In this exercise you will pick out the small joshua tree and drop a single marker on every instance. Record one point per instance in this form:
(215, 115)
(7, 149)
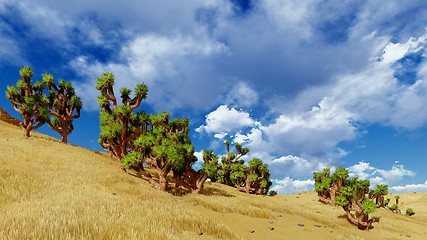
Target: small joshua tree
(63, 104)
(165, 146)
(120, 126)
(354, 202)
(395, 207)
(28, 100)
(397, 197)
(378, 193)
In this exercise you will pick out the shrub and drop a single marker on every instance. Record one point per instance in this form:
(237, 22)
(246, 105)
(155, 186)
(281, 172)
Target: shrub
(272, 193)
(410, 212)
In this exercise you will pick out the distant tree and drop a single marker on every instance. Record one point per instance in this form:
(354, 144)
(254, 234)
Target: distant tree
(120, 126)
(378, 193)
(395, 207)
(28, 100)
(165, 146)
(232, 163)
(272, 193)
(63, 104)
(256, 178)
(355, 203)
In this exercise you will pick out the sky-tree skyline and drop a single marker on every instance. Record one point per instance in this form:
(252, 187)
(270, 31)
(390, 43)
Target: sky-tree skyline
(303, 84)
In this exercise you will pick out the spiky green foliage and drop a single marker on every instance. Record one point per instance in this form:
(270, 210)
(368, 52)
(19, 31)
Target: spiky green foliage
(378, 193)
(256, 178)
(64, 106)
(253, 178)
(227, 168)
(165, 146)
(28, 100)
(355, 203)
(119, 124)
(328, 186)
(194, 180)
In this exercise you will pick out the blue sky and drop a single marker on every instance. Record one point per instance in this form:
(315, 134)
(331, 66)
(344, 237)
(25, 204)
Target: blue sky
(304, 84)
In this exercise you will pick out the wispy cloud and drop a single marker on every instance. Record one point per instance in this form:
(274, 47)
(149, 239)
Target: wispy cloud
(422, 187)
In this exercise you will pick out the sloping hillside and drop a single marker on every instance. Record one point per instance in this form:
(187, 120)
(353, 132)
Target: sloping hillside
(4, 116)
(50, 190)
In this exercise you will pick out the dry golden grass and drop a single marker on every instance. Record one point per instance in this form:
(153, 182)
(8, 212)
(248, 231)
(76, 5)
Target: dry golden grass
(49, 190)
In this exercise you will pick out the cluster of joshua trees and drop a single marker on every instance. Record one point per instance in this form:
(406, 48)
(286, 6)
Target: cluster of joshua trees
(155, 147)
(57, 109)
(354, 196)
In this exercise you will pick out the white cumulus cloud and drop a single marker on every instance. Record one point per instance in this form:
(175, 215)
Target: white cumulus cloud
(225, 119)
(289, 185)
(422, 187)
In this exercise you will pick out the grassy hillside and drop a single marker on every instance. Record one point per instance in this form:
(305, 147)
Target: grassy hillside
(50, 190)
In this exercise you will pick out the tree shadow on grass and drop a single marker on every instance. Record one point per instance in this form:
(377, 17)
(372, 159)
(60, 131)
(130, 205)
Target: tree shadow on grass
(181, 191)
(210, 191)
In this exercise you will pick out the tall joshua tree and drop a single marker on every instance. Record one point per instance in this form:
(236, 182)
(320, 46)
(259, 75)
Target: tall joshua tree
(64, 106)
(354, 202)
(165, 146)
(120, 126)
(28, 100)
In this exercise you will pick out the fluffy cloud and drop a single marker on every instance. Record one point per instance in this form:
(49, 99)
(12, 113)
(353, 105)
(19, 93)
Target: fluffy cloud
(224, 120)
(295, 167)
(364, 170)
(289, 185)
(410, 188)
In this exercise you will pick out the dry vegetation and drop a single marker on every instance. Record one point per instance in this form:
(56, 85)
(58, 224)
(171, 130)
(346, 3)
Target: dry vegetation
(50, 190)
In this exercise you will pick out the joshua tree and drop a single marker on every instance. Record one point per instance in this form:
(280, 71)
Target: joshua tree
(120, 126)
(194, 181)
(28, 100)
(322, 183)
(395, 207)
(226, 168)
(354, 202)
(378, 193)
(256, 177)
(326, 186)
(165, 146)
(63, 104)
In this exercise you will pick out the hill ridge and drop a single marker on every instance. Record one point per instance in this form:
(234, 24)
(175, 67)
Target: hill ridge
(6, 117)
